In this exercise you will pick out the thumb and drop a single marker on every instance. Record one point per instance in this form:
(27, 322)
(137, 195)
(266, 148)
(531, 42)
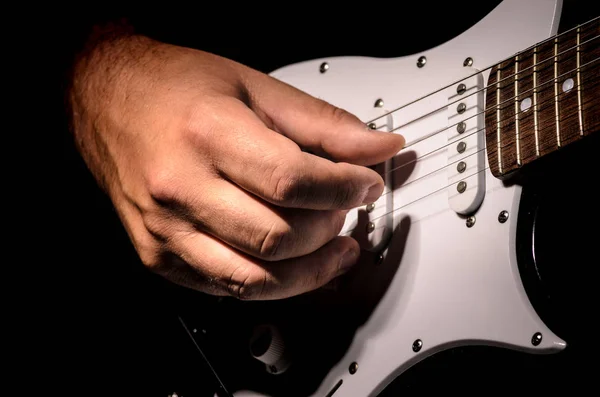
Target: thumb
(320, 127)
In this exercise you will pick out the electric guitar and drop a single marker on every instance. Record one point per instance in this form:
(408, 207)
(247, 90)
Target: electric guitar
(498, 108)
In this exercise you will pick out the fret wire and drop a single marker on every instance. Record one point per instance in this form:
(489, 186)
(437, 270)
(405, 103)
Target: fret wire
(498, 135)
(517, 143)
(535, 109)
(557, 117)
(425, 137)
(579, 84)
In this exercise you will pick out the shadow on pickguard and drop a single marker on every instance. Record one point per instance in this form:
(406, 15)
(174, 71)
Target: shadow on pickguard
(317, 327)
(403, 165)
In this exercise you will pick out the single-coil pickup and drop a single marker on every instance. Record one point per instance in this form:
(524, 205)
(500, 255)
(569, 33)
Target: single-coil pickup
(466, 143)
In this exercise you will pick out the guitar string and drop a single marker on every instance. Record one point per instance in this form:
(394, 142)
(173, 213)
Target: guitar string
(554, 37)
(416, 200)
(554, 98)
(509, 77)
(443, 187)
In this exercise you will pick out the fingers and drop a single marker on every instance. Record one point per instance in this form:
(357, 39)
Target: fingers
(274, 168)
(247, 223)
(318, 126)
(227, 272)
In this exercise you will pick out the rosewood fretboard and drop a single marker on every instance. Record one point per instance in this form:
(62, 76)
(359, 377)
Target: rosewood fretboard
(543, 99)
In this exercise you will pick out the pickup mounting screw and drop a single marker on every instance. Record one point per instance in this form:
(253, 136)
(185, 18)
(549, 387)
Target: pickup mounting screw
(468, 62)
(470, 221)
(417, 345)
(503, 216)
(379, 103)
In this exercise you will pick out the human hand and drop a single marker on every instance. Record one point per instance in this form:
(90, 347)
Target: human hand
(206, 163)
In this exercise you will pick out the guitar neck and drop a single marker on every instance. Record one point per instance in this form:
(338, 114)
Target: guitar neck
(543, 99)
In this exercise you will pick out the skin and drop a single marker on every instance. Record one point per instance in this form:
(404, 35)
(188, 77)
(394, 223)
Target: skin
(227, 180)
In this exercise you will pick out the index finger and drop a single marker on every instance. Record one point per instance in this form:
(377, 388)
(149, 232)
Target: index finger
(274, 168)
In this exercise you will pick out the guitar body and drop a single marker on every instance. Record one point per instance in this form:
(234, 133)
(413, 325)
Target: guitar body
(446, 270)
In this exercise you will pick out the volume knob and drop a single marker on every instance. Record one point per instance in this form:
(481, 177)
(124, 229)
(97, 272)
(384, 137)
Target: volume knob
(268, 347)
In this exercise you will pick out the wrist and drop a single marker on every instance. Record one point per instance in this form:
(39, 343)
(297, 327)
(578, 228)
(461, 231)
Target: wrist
(97, 77)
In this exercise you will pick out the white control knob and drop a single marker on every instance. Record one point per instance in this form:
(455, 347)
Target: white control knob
(267, 346)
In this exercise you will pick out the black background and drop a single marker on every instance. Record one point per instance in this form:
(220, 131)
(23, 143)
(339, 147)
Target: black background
(108, 325)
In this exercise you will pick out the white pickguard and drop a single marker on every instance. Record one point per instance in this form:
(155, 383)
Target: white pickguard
(454, 285)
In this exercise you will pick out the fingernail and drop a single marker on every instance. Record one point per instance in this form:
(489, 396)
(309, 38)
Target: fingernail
(348, 260)
(373, 194)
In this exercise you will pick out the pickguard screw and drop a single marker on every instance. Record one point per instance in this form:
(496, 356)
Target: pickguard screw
(461, 187)
(470, 221)
(353, 368)
(468, 62)
(370, 227)
(379, 103)
(536, 339)
(421, 61)
(379, 259)
(324, 67)
(461, 167)
(461, 147)
(461, 108)
(370, 207)
(372, 126)
(461, 127)
(417, 345)
(503, 216)
(461, 89)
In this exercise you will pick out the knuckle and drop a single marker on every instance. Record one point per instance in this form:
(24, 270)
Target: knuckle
(162, 185)
(336, 114)
(286, 187)
(157, 224)
(270, 242)
(149, 253)
(247, 284)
